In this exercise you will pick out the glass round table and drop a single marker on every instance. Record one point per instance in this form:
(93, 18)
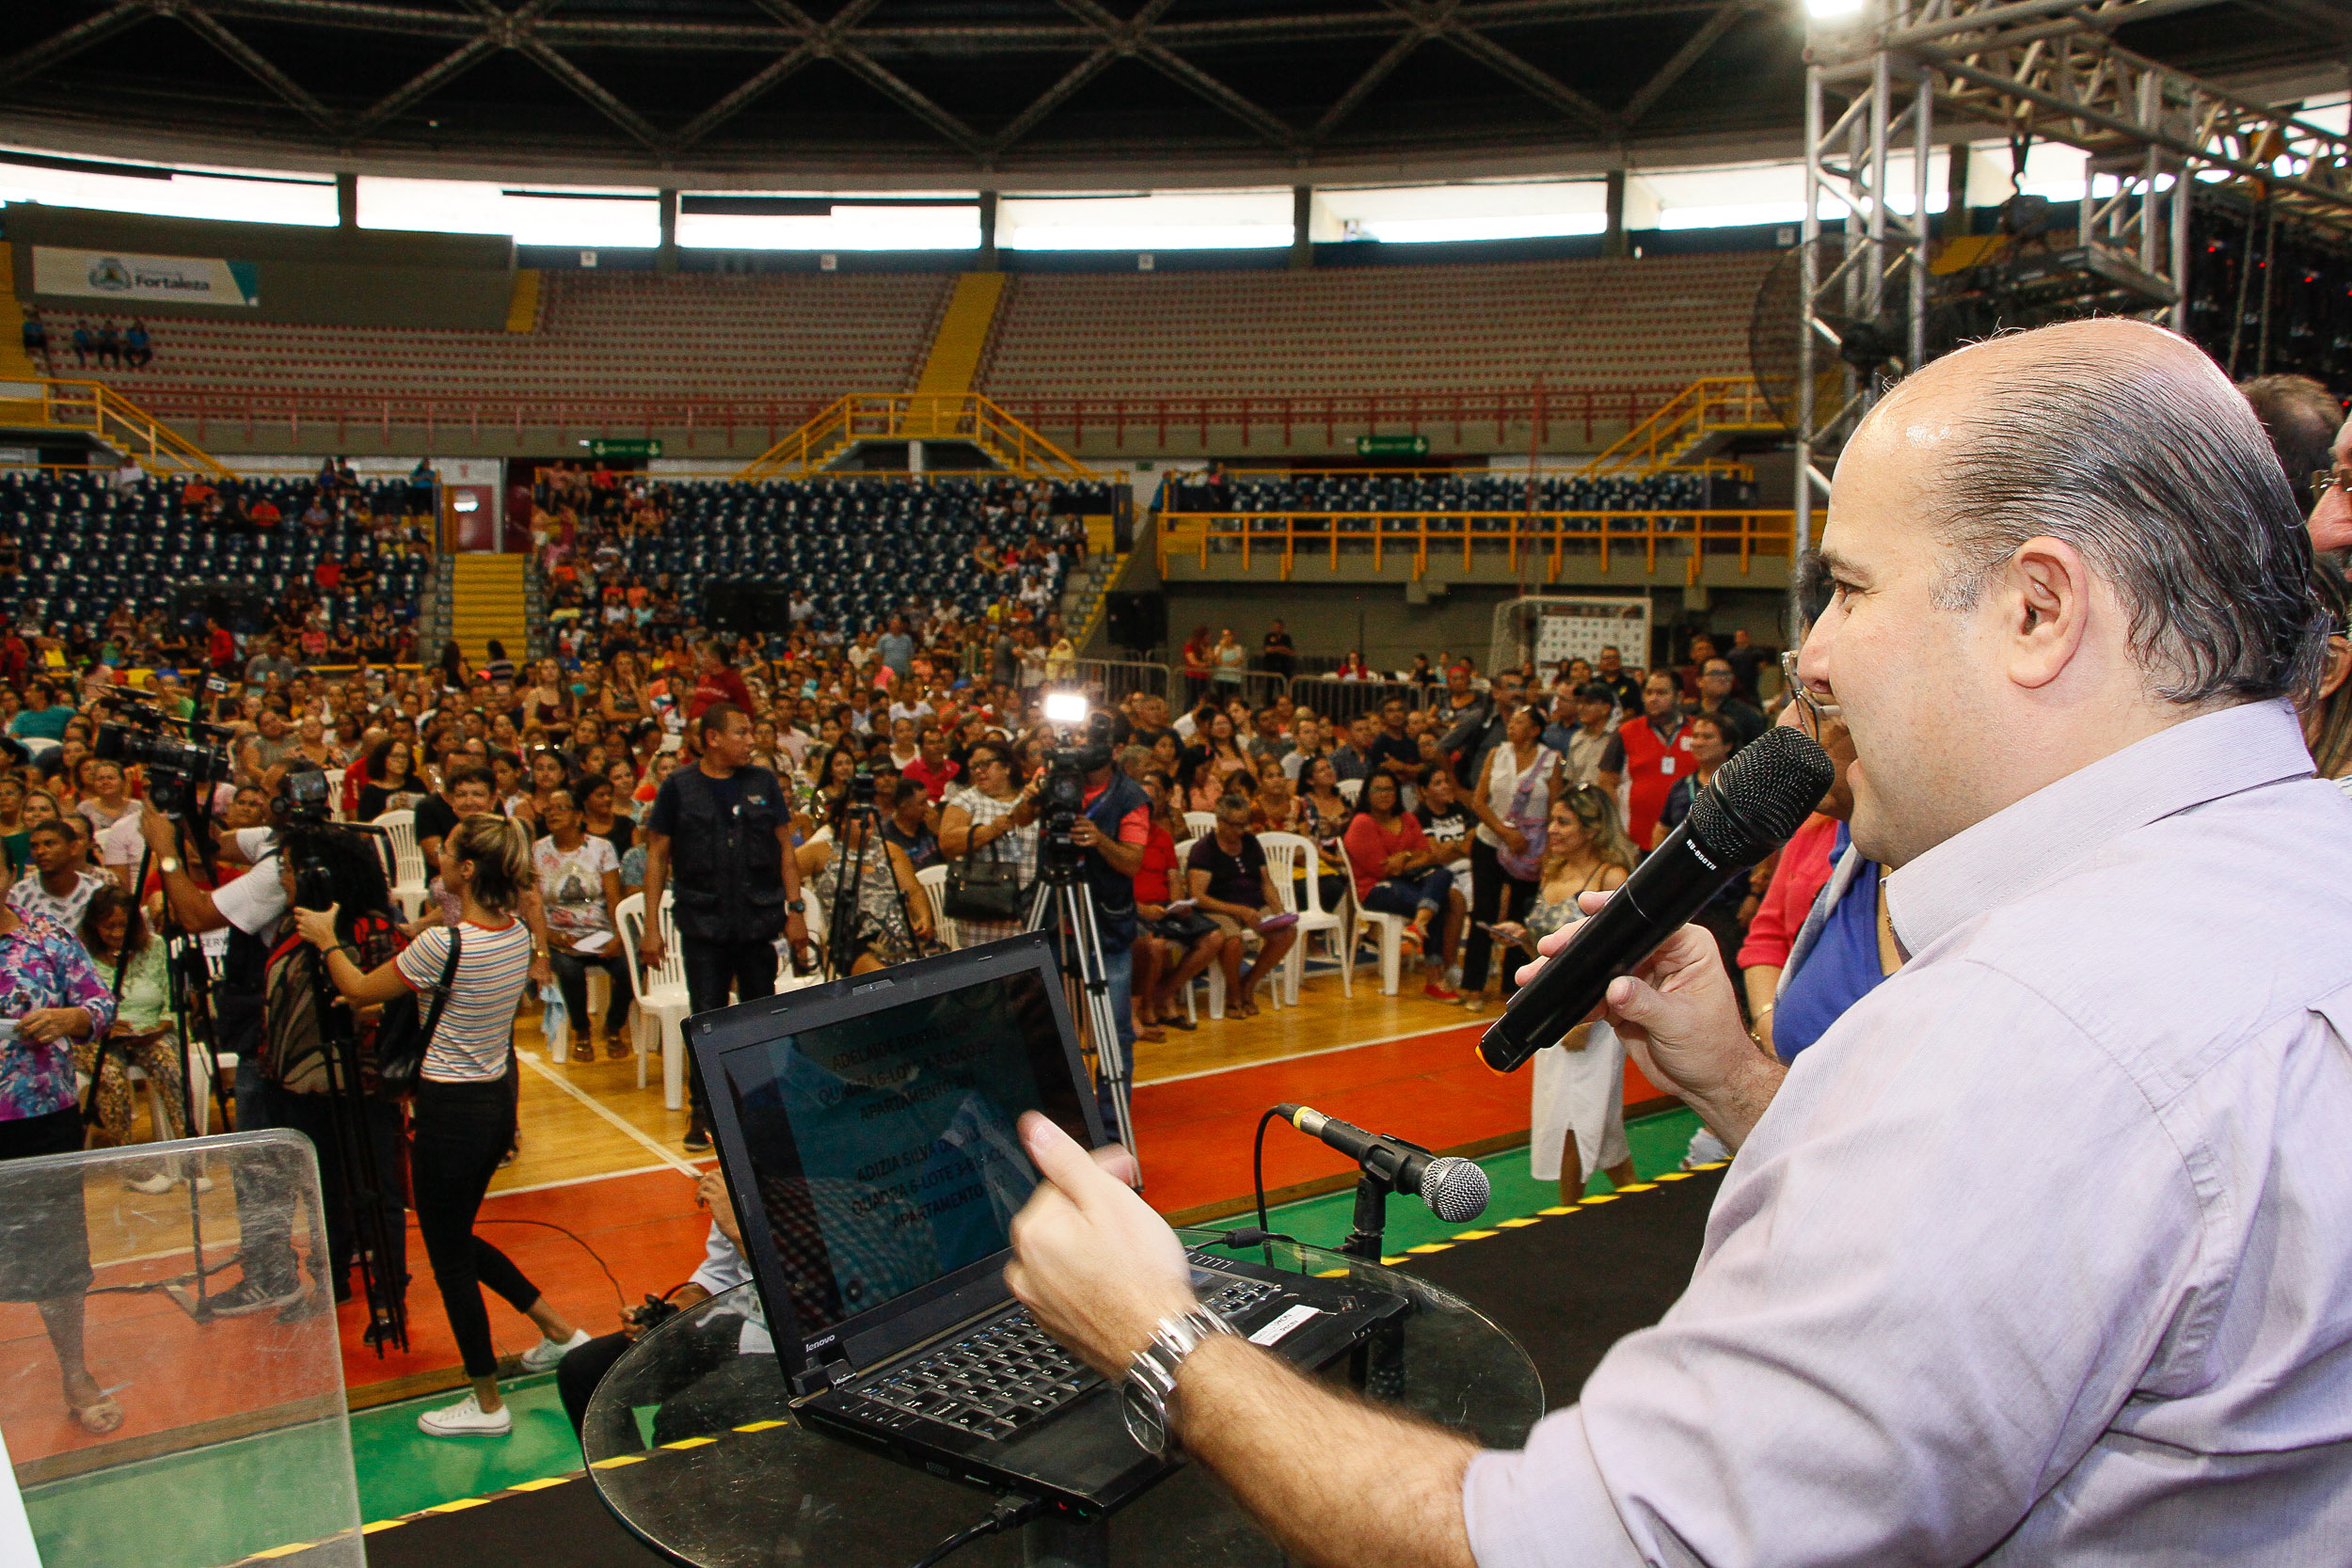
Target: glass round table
(690, 1443)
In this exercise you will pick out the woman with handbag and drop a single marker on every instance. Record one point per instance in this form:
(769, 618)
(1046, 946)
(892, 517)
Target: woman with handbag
(1516, 786)
(465, 1103)
(989, 835)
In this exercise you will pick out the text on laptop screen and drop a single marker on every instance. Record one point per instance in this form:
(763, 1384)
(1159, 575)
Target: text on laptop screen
(885, 1146)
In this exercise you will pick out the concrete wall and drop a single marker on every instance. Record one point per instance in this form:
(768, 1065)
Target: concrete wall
(309, 276)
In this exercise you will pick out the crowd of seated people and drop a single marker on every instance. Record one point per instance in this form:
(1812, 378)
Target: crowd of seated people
(625, 556)
(342, 560)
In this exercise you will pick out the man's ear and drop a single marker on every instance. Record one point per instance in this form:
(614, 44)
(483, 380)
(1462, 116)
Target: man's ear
(2339, 665)
(2043, 597)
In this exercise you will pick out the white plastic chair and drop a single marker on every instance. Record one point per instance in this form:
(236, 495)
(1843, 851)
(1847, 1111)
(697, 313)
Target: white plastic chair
(409, 875)
(934, 880)
(1200, 824)
(1285, 854)
(1390, 929)
(1351, 789)
(662, 1000)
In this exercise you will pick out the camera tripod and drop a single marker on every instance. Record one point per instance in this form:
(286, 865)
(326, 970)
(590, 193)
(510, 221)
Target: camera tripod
(842, 910)
(188, 983)
(1063, 908)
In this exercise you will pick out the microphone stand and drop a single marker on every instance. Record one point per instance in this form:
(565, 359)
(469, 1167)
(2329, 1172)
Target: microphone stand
(1376, 1365)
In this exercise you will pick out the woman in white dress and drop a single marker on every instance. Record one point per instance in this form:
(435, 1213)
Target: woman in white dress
(1577, 1116)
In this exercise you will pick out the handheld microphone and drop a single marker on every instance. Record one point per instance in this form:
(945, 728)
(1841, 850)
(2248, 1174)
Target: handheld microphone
(1455, 1189)
(1758, 800)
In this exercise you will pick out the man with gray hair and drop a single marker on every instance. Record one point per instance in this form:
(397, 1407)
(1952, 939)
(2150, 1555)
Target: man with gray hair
(2038, 1254)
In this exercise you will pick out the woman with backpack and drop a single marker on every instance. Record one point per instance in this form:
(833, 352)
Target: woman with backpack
(464, 1111)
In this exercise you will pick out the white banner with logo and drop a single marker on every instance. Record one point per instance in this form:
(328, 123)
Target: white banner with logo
(144, 280)
(1569, 628)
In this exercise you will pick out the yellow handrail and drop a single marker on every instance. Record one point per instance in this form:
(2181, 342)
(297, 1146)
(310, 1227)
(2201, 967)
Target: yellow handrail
(94, 408)
(1708, 404)
(915, 417)
(1547, 534)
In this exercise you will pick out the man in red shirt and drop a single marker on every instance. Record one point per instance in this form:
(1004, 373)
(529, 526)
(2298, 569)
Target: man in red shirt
(932, 767)
(1650, 752)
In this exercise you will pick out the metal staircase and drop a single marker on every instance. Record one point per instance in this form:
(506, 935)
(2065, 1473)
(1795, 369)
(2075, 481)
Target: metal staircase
(965, 418)
(1691, 427)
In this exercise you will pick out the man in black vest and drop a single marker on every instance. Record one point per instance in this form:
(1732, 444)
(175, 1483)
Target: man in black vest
(1114, 824)
(725, 829)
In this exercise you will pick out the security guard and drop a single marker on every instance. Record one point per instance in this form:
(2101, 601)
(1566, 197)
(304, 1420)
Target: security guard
(725, 827)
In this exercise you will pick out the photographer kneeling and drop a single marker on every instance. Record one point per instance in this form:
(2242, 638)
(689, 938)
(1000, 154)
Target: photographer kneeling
(465, 1104)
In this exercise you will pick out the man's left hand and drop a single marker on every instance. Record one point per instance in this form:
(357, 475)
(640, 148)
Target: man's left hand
(1084, 833)
(1091, 1261)
(796, 930)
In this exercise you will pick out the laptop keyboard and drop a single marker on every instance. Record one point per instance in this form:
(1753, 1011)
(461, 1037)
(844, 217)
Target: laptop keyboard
(992, 1382)
(1007, 1376)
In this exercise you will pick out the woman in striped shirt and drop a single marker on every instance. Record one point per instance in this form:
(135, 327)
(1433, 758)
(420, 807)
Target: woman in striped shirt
(465, 1104)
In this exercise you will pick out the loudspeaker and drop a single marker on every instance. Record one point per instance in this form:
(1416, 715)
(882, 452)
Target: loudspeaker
(241, 606)
(1136, 620)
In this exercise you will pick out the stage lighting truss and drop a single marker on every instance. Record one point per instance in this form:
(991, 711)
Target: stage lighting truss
(1878, 81)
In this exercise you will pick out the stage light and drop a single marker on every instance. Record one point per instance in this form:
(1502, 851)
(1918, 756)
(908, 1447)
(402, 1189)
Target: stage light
(1065, 708)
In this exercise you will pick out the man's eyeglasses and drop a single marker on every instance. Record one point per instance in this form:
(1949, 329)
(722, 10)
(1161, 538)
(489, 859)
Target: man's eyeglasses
(2324, 480)
(1813, 712)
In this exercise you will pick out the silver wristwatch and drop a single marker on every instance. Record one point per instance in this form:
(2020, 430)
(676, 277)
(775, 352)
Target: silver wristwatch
(1149, 1395)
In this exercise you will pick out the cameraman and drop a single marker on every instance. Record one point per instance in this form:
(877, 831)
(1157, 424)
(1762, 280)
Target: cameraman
(251, 908)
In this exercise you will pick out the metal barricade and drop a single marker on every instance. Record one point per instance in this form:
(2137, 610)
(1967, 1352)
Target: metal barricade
(1340, 700)
(1114, 679)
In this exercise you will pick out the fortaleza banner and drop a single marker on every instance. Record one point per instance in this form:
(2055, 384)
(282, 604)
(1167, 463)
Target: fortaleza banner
(144, 280)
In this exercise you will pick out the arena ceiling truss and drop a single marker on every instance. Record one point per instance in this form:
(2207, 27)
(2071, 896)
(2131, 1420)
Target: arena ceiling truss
(944, 88)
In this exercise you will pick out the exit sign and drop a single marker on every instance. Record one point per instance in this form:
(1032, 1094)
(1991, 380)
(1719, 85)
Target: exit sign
(624, 446)
(1392, 446)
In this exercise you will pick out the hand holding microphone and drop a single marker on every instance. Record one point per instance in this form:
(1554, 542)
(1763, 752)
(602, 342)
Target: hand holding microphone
(1661, 983)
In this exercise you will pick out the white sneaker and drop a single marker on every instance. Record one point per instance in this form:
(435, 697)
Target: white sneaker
(465, 1418)
(543, 1356)
(152, 1185)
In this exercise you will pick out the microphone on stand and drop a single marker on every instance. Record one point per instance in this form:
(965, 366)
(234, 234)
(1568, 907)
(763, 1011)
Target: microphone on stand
(1759, 797)
(1455, 1189)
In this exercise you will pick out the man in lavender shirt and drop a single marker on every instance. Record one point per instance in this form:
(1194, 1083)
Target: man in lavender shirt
(2044, 1252)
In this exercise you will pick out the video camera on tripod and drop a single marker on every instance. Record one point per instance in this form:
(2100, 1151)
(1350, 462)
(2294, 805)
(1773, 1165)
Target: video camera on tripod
(182, 759)
(1063, 799)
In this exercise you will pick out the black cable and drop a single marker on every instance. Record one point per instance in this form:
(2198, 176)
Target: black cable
(1257, 1163)
(1008, 1513)
(618, 1295)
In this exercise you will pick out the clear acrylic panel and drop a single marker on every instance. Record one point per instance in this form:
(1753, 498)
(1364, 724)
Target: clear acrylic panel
(234, 1438)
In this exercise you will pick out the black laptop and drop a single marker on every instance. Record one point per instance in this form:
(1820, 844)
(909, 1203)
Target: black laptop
(867, 1128)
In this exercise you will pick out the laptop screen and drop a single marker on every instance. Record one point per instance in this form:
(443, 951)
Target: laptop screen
(884, 1145)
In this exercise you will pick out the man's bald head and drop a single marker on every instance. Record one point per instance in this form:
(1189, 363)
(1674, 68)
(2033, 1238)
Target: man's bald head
(2129, 444)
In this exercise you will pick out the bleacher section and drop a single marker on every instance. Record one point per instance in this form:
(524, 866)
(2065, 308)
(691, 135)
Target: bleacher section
(600, 336)
(86, 545)
(860, 547)
(1424, 492)
(1343, 332)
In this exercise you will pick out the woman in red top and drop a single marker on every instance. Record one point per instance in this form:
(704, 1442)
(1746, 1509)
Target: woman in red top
(1172, 945)
(1195, 665)
(1399, 872)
